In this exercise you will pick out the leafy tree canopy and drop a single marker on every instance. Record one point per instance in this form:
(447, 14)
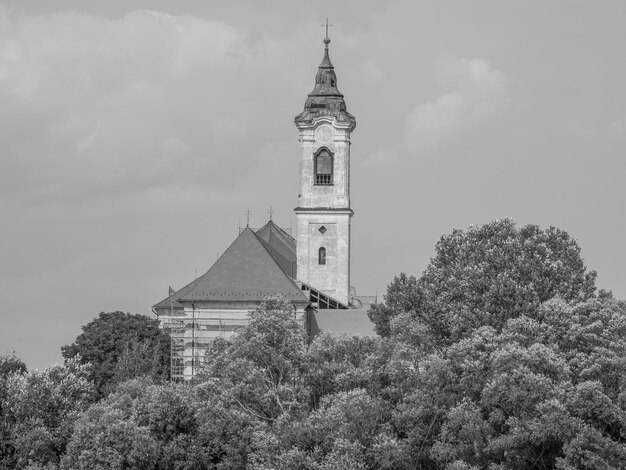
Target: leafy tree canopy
(120, 346)
(262, 367)
(484, 276)
(545, 392)
(10, 363)
(538, 384)
(38, 413)
(156, 426)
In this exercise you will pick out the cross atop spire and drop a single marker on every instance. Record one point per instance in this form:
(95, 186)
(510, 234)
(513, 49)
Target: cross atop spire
(271, 212)
(326, 38)
(248, 214)
(325, 99)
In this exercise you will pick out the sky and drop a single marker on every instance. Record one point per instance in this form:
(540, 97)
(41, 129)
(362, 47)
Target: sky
(135, 135)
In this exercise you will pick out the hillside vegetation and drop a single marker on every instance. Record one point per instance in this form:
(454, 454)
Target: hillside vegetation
(502, 355)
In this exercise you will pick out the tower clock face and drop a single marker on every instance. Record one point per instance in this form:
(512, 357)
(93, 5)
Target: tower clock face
(324, 134)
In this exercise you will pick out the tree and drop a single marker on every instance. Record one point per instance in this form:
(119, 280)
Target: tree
(337, 434)
(107, 435)
(403, 295)
(261, 369)
(160, 426)
(10, 363)
(547, 391)
(520, 362)
(136, 340)
(338, 363)
(486, 275)
(139, 358)
(39, 410)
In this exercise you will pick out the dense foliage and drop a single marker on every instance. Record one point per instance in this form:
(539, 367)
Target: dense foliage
(120, 346)
(38, 411)
(539, 384)
(10, 363)
(486, 275)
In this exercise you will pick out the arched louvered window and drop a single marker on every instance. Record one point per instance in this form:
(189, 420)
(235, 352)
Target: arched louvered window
(321, 256)
(323, 168)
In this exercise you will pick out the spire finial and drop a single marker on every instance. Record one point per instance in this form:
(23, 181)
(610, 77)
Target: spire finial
(248, 214)
(326, 38)
(271, 212)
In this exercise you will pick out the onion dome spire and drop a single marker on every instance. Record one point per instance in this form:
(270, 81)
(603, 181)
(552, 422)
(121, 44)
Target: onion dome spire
(325, 99)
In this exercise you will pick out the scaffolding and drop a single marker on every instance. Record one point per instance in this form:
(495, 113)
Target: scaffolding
(190, 336)
(189, 339)
(175, 329)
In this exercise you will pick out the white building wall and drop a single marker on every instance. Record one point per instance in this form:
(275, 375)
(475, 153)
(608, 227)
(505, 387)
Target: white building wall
(336, 139)
(333, 278)
(194, 328)
(328, 206)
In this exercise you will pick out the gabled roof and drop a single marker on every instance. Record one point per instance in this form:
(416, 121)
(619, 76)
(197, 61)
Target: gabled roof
(280, 245)
(171, 303)
(245, 272)
(270, 230)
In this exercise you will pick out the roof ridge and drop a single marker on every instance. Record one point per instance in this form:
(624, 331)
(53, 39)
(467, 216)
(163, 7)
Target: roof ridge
(273, 224)
(245, 268)
(273, 253)
(284, 232)
(262, 242)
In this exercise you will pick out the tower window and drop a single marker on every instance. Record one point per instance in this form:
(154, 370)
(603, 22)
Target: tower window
(321, 256)
(323, 168)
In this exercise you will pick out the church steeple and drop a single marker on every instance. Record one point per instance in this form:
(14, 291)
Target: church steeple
(325, 99)
(324, 212)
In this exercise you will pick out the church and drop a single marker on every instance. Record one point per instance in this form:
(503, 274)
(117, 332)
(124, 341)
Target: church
(311, 269)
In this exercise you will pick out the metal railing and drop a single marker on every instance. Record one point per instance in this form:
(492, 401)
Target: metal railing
(324, 180)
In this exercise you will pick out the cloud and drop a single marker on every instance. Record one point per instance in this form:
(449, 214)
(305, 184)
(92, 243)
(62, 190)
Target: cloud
(92, 105)
(474, 92)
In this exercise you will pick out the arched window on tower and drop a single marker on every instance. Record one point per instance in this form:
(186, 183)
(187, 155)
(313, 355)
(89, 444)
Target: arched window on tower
(321, 256)
(323, 168)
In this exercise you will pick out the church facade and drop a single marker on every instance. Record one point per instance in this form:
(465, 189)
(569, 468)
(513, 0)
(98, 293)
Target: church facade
(311, 270)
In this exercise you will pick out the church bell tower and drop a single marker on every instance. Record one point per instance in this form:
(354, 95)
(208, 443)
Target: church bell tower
(323, 213)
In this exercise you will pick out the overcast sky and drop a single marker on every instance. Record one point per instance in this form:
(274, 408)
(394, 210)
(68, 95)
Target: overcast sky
(134, 135)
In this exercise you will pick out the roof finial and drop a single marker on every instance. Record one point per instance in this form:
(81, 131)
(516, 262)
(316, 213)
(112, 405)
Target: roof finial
(248, 214)
(326, 39)
(271, 212)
